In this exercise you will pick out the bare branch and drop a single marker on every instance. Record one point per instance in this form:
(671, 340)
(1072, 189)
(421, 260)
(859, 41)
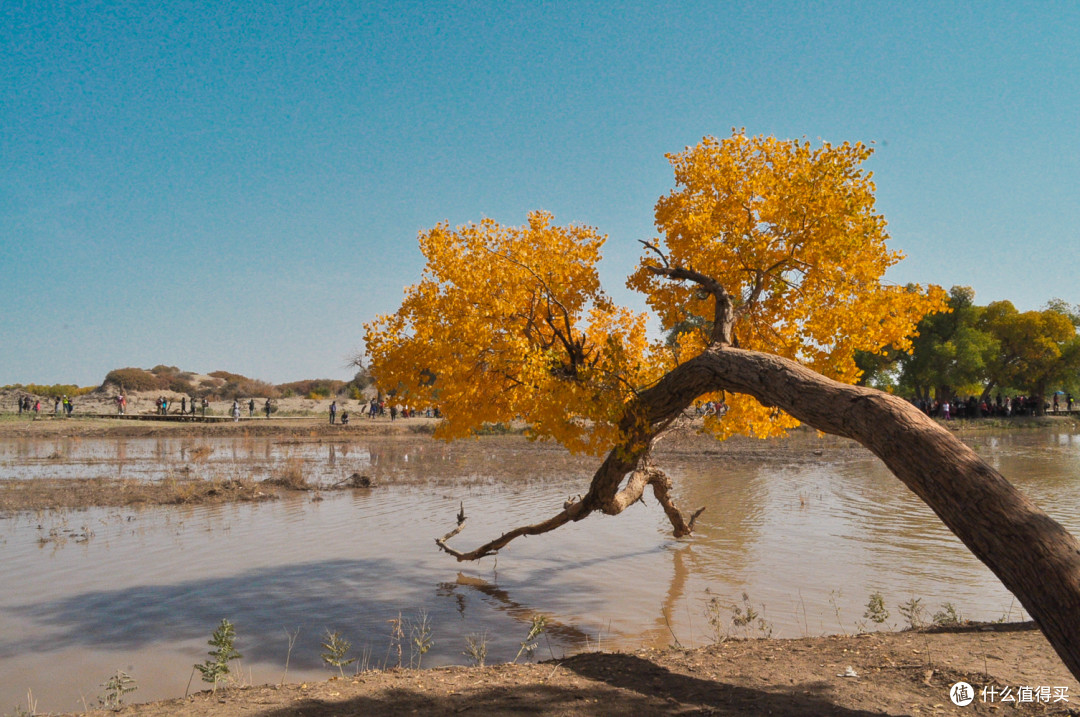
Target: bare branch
(650, 245)
(573, 511)
(604, 493)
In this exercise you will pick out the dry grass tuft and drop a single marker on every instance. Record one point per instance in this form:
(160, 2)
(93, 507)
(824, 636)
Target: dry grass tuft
(290, 475)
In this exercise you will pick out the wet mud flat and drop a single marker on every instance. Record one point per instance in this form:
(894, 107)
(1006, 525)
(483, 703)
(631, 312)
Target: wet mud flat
(50, 478)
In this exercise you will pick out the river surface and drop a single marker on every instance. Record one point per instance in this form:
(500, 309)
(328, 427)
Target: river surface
(806, 537)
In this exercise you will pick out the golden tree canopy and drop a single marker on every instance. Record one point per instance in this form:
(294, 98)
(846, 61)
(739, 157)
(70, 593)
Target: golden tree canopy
(511, 322)
(791, 234)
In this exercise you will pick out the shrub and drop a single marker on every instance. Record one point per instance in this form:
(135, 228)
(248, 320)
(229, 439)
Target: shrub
(179, 385)
(228, 377)
(53, 390)
(361, 380)
(313, 388)
(244, 388)
(134, 379)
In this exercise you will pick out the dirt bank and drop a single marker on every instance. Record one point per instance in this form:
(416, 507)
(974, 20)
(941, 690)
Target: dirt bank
(314, 427)
(907, 673)
(57, 493)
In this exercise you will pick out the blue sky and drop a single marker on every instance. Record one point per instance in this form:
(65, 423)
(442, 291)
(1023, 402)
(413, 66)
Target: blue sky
(239, 186)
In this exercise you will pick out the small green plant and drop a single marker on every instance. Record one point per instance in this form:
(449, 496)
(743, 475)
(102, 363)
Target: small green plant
(746, 615)
(876, 611)
(714, 615)
(834, 600)
(419, 638)
(913, 612)
(536, 628)
(31, 705)
(288, 655)
(116, 687)
(223, 641)
(336, 648)
(948, 616)
(476, 648)
(743, 617)
(397, 634)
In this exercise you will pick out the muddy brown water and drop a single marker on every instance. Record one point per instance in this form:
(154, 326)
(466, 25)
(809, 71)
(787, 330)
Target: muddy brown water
(807, 535)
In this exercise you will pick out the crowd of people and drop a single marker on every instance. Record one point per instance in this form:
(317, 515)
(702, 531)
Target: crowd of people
(971, 407)
(162, 406)
(190, 406)
(1000, 406)
(63, 406)
(381, 407)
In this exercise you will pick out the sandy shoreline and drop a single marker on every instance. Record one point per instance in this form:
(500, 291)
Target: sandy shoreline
(897, 673)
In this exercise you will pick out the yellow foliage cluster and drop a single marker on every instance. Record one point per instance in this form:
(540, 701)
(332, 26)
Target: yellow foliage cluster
(791, 233)
(511, 322)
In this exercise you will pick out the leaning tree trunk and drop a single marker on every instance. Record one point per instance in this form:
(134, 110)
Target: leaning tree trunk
(1033, 555)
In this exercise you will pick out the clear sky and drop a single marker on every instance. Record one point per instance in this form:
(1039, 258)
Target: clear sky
(239, 186)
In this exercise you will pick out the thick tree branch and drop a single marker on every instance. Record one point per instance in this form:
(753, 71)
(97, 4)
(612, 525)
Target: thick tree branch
(724, 319)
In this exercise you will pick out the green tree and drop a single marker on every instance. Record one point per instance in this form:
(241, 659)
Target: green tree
(951, 353)
(1037, 349)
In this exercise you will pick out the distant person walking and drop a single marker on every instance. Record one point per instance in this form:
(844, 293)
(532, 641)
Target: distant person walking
(236, 411)
(333, 412)
(267, 408)
(205, 405)
(251, 408)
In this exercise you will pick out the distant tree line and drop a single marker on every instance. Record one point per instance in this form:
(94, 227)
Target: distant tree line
(982, 352)
(225, 385)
